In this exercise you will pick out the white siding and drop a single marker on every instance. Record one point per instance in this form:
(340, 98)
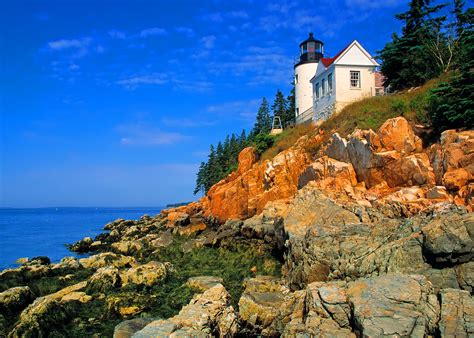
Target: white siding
(344, 93)
(303, 88)
(355, 56)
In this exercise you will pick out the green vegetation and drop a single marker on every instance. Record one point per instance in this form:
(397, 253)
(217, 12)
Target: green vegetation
(232, 264)
(430, 46)
(223, 158)
(452, 102)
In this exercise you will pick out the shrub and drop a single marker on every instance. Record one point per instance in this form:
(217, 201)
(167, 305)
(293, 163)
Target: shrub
(262, 142)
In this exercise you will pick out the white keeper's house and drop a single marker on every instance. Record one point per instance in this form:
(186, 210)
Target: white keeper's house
(325, 85)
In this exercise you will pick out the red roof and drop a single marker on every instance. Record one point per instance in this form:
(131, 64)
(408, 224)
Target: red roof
(328, 61)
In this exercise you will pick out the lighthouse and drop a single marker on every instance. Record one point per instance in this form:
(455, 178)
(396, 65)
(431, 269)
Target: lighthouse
(311, 50)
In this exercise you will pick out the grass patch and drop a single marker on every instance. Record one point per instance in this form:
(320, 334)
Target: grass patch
(286, 139)
(372, 112)
(368, 113)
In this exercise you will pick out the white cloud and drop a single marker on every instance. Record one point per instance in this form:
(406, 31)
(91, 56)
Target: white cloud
(69, 43)
(364, 4)
(152, 31)
(186, 122)
(142, 134)
(151, 79)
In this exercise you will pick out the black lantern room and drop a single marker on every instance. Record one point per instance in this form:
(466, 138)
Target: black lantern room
(311, 50)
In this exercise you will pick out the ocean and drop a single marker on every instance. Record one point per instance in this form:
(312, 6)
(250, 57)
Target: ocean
(46, 231)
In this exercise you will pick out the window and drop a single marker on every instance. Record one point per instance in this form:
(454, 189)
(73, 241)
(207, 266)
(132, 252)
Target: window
(355, 79)
(317, 90)
(296, 78)
(323, 86)
(330, 83)
(297, 111)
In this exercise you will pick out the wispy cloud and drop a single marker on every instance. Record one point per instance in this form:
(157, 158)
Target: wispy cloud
(69, 43)
(244, 109)
(116, 34)
(189, 32)
(153, 31)
(358, 4)
(208, 41)
(186, 122)
(225, 16)
(151, 79)
(143, 134)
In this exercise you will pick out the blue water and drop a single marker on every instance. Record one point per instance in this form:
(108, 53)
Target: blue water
(45, 231)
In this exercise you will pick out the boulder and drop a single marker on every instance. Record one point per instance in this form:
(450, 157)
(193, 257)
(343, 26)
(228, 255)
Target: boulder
(393, 305)
(397, 134)
(47, 312)
(146, 274)
(245, 193)
(337, 148)
(82, 245)
(127, 328)
(104, 279)
(465, 276)
(15, 299)
(457, 313)
(107, 259)
(267, 307)
(247, 158)
(176, 218)
(329, 174)
(449, 239)
(127, 247)
(203, 283)
(206, 314)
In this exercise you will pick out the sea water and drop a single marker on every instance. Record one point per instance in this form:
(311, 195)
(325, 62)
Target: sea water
(46, 231)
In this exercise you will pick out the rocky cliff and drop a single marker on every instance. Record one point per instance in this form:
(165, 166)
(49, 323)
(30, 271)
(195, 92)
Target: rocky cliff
(368, 234)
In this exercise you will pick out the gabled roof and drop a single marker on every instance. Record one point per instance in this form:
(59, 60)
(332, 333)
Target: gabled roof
(329, 61)
(326, 62)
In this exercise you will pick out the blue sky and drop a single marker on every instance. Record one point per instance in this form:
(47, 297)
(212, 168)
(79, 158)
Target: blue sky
(115, 103)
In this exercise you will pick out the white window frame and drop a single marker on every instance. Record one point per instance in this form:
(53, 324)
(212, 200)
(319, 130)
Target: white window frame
(323, 87)
(317, 91)
(330, 84)
(354, 80)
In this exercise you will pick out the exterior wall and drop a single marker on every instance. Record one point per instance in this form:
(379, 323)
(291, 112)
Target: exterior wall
(324, 106)
(303, 88)
(344, 93)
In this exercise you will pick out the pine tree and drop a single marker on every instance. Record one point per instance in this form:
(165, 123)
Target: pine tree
(406, 60)
(263, 123)
(452, 103)
(279, 107)
(243, 139)
(291, 106)
(201, 179)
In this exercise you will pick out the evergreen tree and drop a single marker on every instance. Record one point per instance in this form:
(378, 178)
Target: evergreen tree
(452, 103)
(406, 60)
(243, 139)
(201, 179)
(279, 107)
(291, 106)
(263, 123)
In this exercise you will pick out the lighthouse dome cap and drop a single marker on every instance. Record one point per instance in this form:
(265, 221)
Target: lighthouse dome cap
(311, 39)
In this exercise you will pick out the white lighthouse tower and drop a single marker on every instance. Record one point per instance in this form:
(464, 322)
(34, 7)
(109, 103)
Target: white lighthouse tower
(311, 50)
